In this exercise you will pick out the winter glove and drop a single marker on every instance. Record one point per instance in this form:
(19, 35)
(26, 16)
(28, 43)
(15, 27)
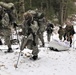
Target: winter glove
(34, 43)
(15, 25)
(0, 17)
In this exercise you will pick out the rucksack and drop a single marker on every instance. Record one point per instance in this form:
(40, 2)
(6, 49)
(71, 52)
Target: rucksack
(10, 10)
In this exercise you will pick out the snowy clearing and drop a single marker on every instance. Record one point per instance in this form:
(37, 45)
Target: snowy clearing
(49, 62)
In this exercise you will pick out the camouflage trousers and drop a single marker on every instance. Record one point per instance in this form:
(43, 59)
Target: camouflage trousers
(40, 36)
(6, 33)
(48, 36)
(29, 44)
(60, 36)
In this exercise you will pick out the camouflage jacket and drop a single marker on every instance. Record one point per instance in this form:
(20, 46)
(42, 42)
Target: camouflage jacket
(5, 21)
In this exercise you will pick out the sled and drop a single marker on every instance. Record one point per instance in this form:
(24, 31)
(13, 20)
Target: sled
(56, 46)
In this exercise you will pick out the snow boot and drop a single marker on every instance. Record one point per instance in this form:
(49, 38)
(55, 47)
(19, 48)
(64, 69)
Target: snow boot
(34, 57)
(0, 42)
(9, 50)
(43, 45)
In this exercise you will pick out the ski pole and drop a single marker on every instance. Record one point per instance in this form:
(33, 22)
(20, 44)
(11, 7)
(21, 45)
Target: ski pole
(17, 34)
(16, 65)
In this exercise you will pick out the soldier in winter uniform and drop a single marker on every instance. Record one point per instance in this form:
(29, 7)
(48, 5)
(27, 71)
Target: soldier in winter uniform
(61, 32)
(40, 18)
(30, 38)
(8, 20)
(69, 32)
(49, 30)
(5, 28)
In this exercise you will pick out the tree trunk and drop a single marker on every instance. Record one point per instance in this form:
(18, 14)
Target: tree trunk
(21, 9)
(30, 3)
(65, 11)
(61, 12)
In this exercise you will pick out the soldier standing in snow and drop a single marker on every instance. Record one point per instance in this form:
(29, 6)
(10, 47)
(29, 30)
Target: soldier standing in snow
(40, 18)
(69, 31)
(30, 38)
(5, 28)
(61, 32)
(8, 19)
(49, 30)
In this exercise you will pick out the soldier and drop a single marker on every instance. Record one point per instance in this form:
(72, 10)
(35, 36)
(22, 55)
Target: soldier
(30, 38)
(5, 28)
(8, 21)
(61, 32)
(49, 30)
(40, 18)
(69, 31)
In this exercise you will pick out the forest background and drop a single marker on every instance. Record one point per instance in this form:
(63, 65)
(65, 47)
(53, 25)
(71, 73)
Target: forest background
(55, 10)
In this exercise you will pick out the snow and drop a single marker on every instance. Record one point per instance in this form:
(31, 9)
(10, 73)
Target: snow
(49, 62)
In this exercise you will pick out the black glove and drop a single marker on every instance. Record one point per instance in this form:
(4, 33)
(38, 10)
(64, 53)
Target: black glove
(0, 17)
(34, 43)
(15, 25)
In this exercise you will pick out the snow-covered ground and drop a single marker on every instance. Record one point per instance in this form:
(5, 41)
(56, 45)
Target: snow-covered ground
(49, 62)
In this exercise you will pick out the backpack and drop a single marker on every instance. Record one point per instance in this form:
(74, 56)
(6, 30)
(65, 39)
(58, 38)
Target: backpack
(10, 10)
(12, 17)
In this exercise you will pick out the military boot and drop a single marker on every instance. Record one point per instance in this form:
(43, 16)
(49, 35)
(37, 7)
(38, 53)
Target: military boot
(9, 50)
(34, 57)
(43, 45)
(0, 42)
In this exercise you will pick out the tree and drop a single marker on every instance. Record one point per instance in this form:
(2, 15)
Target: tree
(59, 9)
(62, 9)
(21, 8)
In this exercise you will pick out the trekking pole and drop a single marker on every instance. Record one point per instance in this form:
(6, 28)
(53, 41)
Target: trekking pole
(17, 35)
(21, 48)
(16, 65)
